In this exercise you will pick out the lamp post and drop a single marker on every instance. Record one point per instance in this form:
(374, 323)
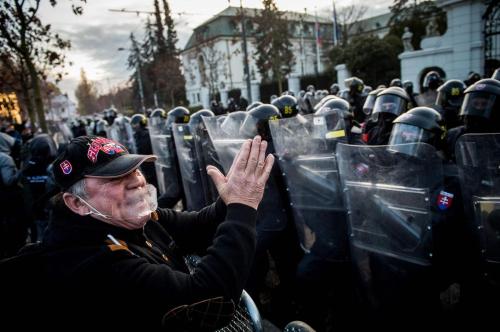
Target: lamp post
(245, 54)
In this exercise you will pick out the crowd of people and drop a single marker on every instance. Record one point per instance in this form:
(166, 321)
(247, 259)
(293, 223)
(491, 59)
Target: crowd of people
(380, 204)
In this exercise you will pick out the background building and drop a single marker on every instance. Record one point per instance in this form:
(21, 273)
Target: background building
(471, 43)
(213, 58)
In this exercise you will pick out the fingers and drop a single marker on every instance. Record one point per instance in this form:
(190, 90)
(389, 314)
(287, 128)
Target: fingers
(217, 177)
(253, 157)
(233, 164)
(262, 158)
(267, 169)
(242, 159)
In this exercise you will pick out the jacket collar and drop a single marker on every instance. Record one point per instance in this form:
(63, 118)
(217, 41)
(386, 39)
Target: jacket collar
(68, 228)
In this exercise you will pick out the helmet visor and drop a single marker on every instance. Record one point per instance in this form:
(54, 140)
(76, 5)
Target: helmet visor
(369, 103)
(478, 104)
(389, 104)
(403, 137)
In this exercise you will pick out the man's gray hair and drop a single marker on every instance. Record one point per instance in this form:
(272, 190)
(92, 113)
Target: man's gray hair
(78, 189)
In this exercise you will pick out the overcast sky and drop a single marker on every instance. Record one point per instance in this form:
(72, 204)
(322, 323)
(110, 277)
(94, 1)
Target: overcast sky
(98, 33)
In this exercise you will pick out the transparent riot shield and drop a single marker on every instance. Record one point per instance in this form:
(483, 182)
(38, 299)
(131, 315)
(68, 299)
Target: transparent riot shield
(478, 159)
(388, 195)
(121, 131)
(189, 167)
(206, 155)
(167, 171)
(272, 212)
(306, 155)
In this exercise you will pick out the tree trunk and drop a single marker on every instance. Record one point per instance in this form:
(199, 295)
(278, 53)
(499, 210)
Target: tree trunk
(27, 98)
(37, 95)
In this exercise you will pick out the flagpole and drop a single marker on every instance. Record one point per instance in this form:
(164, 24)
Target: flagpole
(334, 18)
(318, 66)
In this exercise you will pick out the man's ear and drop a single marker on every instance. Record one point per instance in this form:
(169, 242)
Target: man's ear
(75, 204)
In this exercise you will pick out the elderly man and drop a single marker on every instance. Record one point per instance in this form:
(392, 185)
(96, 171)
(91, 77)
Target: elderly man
(113, 260)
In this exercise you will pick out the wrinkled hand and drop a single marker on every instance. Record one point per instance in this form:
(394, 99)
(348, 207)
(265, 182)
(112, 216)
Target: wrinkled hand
(246, 180)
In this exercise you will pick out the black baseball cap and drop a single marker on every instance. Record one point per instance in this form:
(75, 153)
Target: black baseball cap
(94, 157)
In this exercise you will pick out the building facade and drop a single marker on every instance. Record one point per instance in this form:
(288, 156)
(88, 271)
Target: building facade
(213, 63)
(471, 43)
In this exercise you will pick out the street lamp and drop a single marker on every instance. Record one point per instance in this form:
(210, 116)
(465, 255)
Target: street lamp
(139, 78)
(245, 54)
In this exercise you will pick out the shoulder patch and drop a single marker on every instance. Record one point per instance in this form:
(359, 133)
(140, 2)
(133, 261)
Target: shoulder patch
(444, 200)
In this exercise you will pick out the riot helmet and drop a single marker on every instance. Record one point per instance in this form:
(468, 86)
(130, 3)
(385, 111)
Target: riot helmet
(256, 121)
(451, 94)
(324, 100)
(355, 85)
(472, 78)
(366, 90)
(408, 87)
(178, 114)
(138, 121)
(100, 127)
(370, 101)
(158, 117)
(310, 88)
(232, 123)
(287, 105)
(432, 80)
(334, 89)
(344, 94)
(197, 117)
(449, 100)
(481, 106)
(333, 119)
(253, 105)
(496, 74)
(396, 82)
(392, 100)
(418, 125)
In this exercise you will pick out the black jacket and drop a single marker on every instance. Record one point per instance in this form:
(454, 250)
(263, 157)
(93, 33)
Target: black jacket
(88, 281)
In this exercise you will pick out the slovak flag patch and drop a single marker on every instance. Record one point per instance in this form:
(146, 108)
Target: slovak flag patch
(66, 167)
(445, 199)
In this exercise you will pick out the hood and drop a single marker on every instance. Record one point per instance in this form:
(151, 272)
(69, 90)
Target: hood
(6, 143)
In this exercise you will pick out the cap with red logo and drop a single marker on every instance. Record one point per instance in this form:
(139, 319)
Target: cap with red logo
(97, 157)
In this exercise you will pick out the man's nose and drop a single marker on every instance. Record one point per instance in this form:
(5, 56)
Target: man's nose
(135, 179)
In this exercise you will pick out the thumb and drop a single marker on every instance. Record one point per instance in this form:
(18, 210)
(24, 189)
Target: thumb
(217, 177)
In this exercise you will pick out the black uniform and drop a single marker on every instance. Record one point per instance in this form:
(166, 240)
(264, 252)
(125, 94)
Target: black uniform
(143, 144)
(134, 281)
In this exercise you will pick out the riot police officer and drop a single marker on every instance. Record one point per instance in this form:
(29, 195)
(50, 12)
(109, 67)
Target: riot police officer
(451, 241)
(169, 178)
(356, 98)
(139, 124)
(396, 82)
(275, 230)
(480, 112)
(389, 104)
(449, 100)
(432, 81)
(339, 122)
(334, 89)
(287, 105)
(472, 78)
(408, 87)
